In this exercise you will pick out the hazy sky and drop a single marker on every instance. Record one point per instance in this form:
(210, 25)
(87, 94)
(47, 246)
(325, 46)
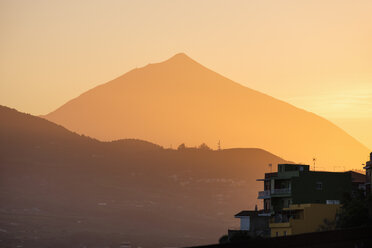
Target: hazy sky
(316, 55)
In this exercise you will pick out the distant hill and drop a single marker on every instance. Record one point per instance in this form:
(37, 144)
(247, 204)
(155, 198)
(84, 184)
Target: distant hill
(180, 101)
(61, 189)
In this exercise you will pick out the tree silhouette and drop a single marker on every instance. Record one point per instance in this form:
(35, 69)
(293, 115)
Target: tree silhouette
(204, 146)
(355, 211)
(181, 147)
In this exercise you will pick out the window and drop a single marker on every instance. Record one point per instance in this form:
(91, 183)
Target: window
(319, 186)
(285, 233)
(267, 205)
(277, 234)
(267, 185)
(286, 203)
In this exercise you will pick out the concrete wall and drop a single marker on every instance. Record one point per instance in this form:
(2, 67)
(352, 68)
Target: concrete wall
(334, 186)
(245, 223)
(312, 217)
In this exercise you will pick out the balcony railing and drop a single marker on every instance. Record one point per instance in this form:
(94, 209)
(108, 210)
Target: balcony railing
(282, 218)
(264, 194)
(283, 191)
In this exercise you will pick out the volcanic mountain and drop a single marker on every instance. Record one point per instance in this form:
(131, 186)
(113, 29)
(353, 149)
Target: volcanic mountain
(180, 101)
(61, 189)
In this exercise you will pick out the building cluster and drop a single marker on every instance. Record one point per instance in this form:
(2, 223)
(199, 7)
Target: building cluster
(297, 200)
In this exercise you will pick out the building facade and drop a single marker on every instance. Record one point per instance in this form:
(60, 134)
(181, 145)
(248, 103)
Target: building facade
(303, 218)
(297, 200)
(368, 169)
(296, 184)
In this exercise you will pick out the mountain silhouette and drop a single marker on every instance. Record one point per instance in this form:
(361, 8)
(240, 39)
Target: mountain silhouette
(180, 100)
(60, 189)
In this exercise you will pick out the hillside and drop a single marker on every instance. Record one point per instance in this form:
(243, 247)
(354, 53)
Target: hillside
(180, 101)
(60, 189)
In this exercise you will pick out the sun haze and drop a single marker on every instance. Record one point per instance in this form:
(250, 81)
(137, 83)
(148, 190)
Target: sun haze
(313, 54)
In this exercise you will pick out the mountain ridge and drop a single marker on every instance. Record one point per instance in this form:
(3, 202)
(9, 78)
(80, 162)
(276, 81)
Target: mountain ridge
(69, 189)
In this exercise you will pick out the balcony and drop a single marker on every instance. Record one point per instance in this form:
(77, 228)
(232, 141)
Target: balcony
(263, 194)
(285, 219)
(283, 191)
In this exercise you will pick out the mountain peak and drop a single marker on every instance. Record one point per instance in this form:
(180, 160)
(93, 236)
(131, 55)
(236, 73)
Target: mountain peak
(181, 57)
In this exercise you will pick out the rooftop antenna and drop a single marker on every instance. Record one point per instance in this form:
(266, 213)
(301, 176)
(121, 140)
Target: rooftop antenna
(314, 160)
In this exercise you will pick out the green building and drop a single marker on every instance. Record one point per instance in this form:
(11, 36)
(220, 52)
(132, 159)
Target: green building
(297, 200)
(296, 184)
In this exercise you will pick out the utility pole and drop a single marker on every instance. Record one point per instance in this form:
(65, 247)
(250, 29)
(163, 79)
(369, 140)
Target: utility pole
(314, 160)
(219, 145)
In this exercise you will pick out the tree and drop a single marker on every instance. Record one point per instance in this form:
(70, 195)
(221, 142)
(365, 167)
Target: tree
(204, 146)
(327, 225)
(181, 147)
(355, 211)
(224, 239)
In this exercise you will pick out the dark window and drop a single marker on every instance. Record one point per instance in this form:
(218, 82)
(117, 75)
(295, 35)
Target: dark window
(285, 233)
(267, 185)
(267, 205)
(277, 234)
(319, 186)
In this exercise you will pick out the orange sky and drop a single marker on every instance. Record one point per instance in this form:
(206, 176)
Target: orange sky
(314, 54)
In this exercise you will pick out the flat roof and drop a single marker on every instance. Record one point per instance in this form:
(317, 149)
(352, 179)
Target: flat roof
(249, 213)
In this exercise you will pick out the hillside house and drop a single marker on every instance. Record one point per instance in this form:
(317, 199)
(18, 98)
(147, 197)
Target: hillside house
(297, 200)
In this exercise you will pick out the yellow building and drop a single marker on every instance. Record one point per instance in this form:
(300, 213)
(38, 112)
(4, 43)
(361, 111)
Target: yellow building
(302, 218)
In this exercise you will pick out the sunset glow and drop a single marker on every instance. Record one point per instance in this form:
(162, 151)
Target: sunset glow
(185, 123)
(294, 50)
